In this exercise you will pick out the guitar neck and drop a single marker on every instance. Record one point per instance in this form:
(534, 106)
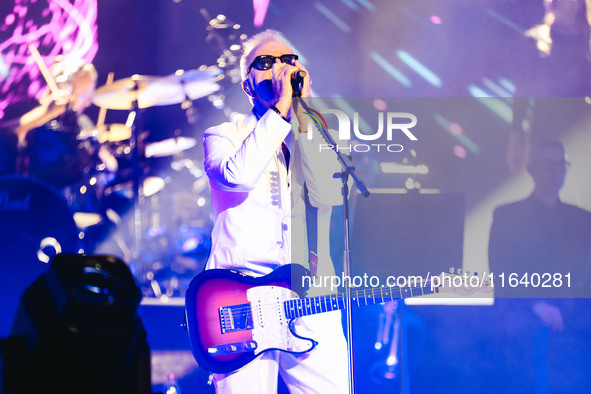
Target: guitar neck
(299, 307)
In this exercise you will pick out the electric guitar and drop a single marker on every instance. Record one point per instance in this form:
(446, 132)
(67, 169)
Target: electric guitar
(232, 318)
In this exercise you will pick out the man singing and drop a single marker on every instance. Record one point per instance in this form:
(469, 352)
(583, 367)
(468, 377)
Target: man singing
(259, 173)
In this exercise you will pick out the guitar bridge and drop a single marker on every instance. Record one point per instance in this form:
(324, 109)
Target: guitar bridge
(232, 348)
(235, 318)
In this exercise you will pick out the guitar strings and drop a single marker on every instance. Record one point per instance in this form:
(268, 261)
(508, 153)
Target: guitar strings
(239, 312)
(300, 308)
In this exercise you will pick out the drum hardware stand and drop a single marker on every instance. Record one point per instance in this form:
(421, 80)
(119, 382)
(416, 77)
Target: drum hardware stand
(187, 103)
(190, 111)
(228, 45)
(348, 170)
(133, 122)
(394, 366)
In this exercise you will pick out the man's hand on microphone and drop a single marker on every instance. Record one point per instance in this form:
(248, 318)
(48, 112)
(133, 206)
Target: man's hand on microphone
(281, 80)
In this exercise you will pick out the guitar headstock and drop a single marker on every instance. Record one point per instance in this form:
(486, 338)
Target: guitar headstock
(461, 282)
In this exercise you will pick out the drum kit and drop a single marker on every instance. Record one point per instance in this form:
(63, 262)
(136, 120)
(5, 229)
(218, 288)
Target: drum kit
(100, 183)
(94, 175)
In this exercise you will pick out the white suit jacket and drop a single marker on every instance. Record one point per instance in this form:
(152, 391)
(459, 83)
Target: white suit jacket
(258, 206)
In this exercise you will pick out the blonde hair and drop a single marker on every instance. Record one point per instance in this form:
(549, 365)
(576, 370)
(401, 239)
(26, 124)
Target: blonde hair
(249, 45)
(64, 70)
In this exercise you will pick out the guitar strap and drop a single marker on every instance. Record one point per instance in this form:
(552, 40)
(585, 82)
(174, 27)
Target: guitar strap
(311, 232)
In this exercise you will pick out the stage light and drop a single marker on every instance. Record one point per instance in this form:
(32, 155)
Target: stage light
(331, 16)
(496, 105)
(401, 168)
(82, 331)
(460, 151)
(496, 89)
(380, 105)
(507, 85)
(420, 68)
(390, 69)
(455, 129)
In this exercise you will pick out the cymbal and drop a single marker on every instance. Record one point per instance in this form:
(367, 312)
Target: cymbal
(151, 91)
(124, 185)
(147, 90)
(169, 147)
(85, 219)
(152, 185)
(194, 84)
(114, 132)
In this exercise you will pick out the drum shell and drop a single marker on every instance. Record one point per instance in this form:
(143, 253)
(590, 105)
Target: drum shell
(8, 151)
(30, 212)
(55, 153)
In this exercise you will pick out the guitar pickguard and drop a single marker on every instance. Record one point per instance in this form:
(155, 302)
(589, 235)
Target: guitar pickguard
(271, 329)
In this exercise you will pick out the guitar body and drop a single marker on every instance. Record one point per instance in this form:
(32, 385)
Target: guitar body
(232, 318)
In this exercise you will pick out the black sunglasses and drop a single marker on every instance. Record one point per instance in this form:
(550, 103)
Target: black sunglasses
(265, 62)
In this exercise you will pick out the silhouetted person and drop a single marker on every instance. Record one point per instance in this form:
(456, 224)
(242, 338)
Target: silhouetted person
(541, 241)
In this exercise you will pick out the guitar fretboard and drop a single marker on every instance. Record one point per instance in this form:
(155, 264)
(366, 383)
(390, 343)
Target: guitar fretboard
(299, 307)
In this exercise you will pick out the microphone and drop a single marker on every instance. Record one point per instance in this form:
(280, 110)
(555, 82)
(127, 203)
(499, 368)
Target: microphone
(297, 78)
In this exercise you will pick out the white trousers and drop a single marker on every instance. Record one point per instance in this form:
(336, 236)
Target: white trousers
(323, 370)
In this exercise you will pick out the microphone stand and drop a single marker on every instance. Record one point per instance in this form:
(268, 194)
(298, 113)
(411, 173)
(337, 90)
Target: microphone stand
(348, 170)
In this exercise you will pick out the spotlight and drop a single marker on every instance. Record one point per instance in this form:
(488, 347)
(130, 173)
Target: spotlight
(82, 330)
